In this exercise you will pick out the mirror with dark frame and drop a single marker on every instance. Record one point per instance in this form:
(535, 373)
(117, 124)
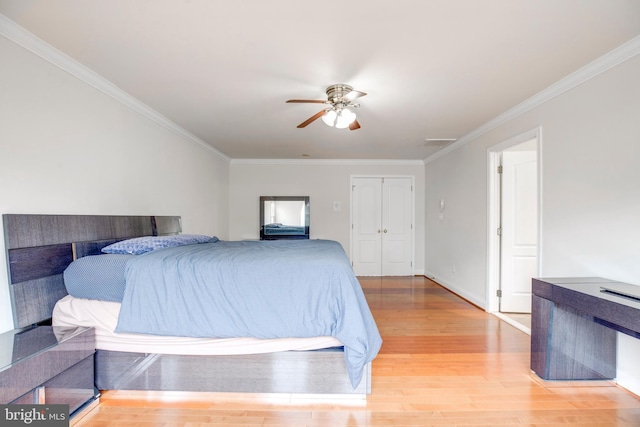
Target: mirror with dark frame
(284, 217)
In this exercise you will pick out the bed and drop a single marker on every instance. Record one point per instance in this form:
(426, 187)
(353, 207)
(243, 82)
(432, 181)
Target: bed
(330, 357)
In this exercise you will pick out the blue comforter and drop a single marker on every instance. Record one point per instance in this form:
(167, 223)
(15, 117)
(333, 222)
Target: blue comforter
(262, 289)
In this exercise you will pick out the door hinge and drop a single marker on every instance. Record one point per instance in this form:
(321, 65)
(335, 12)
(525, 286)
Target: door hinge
(499, 231)
(500, 169)
(499, 293)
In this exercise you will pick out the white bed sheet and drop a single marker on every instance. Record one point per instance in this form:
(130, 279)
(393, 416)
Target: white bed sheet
(103, 316)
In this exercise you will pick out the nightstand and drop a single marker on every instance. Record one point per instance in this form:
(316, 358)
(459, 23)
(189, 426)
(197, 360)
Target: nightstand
(48, 365)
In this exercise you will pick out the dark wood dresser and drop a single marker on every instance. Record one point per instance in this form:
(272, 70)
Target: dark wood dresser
(574, 325)
(48, 365)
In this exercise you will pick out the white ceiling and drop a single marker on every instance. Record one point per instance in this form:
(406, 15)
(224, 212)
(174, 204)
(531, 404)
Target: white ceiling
(222, 70)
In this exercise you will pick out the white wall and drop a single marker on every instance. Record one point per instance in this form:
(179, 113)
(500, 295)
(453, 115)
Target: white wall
(67, 148)
(455, 249)
(325, 182)
(590, 193)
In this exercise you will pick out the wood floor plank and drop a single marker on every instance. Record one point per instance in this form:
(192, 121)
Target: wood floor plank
(444, 362)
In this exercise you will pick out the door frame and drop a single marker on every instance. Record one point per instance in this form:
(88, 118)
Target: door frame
(493, 212)
(413, 213)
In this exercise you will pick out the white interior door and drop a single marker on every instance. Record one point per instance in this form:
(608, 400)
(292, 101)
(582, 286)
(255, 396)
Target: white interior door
(519, 230)
(366, 226)
(382, 229)
(397, 233)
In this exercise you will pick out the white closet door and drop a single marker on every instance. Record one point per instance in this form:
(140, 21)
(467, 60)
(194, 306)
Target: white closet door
(397, 233)
(367, 226)
(382, 232)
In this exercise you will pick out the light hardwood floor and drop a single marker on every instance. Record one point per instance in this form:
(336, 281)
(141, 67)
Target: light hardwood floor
(444, 362)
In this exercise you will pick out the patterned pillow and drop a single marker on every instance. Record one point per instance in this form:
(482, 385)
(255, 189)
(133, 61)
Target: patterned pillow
(141, 245)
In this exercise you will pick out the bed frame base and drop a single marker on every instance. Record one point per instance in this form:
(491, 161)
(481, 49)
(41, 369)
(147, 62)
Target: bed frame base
(294, 372)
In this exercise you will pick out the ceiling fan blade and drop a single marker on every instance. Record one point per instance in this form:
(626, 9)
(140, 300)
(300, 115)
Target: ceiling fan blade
(307, 101)
(311, 119)
(353, 95)
(354, 125)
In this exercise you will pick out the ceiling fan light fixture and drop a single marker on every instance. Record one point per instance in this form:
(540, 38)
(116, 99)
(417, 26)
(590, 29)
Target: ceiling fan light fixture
(345, 118)
(329, 118)
(339, 118)
(337, 115)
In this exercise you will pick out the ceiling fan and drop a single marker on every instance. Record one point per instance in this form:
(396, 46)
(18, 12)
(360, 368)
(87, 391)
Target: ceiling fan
(340, 99)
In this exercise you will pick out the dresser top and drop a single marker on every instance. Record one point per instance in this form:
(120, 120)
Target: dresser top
(610, 290)
(606, 300)
(20, 344)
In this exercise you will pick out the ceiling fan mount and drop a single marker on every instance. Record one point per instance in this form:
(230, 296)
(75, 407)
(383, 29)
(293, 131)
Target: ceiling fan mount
(340, 98)
(336, 93)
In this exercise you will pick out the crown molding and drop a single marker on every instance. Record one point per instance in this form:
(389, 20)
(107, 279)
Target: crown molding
(17, 34)
(607, 61)
(12, 31)
(328, 162)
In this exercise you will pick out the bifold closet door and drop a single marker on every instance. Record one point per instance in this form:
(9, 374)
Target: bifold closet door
(382, 230)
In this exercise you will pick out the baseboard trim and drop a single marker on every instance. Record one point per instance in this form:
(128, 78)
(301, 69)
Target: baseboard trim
(456, 290)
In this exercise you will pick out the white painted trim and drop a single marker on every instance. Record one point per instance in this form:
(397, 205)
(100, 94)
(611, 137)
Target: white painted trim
(615, 57)
(29, 41)
(626, 376)
(513, 323)
(456, 290)
(493, 240)
(328, 162)
(628, 381)
(493, 213)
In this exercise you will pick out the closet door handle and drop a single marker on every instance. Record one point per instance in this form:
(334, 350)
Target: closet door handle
(385, 230)
(378, 231)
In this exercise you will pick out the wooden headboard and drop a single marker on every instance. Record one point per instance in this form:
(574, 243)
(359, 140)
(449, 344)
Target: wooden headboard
(40, 247)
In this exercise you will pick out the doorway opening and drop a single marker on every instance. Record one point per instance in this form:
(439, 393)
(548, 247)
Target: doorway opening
(513, 227)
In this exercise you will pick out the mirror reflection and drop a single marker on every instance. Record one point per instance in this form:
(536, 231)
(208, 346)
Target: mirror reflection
(284, 217)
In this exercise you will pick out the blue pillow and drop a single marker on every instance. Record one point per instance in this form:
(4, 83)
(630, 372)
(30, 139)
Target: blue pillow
(141, 245)
(100, 277)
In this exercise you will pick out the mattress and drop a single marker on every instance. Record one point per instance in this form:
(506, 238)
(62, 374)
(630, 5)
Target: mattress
(103, 316)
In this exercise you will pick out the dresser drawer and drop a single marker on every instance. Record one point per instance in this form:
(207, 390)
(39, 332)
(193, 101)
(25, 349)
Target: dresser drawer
(73, 387)
(42, 353)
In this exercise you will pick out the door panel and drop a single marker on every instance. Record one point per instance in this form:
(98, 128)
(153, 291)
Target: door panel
(518, 262)
(397, 244)
(367, 224)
